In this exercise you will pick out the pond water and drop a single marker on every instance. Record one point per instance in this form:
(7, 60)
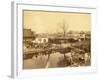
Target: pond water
(55, 60)
(44, 61)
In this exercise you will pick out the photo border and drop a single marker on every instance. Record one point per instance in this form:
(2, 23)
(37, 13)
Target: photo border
(17, 32)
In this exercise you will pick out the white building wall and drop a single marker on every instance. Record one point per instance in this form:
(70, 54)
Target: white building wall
(41, 40)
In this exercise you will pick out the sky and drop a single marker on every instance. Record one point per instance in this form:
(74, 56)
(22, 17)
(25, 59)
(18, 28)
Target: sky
(51, 22)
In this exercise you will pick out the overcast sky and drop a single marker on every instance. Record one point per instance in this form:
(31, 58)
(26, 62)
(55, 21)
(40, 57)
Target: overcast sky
(50, 22)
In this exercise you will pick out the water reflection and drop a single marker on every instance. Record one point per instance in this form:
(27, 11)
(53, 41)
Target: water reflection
(44, 61)
(56, 59)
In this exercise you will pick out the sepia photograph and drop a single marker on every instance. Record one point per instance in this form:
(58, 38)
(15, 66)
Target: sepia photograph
(55, 39)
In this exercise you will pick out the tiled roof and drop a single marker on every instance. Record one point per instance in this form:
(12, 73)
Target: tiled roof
(28, 33)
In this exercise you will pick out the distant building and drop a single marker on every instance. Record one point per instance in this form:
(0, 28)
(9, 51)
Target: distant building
(28, 35)
(58, 38)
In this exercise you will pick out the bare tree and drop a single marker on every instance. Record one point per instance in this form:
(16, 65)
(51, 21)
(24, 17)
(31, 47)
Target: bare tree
(64, 27)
